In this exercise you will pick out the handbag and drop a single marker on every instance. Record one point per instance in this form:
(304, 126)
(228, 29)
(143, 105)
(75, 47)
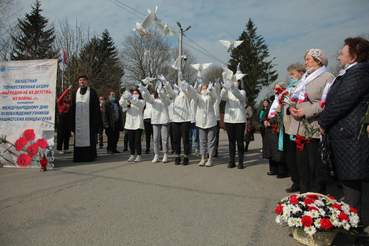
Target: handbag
(326, 170)
(250, 127)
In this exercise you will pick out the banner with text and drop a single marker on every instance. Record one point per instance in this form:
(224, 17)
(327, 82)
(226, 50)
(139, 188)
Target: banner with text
(27, 115)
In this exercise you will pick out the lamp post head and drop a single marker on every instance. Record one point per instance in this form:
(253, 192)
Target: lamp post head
(179, 25)
(188, 28)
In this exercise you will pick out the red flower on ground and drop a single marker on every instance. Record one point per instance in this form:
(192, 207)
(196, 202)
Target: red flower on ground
(353, 210)
(32, 149)
(279, 209)
(42, 143)
(343, 216)
(24, 160)
(29, 134)
(306, 221)
(326, 224)
(336, 206)
(20, 143)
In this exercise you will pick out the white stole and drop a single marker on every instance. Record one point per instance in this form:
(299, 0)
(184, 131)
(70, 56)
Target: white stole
(82, 133)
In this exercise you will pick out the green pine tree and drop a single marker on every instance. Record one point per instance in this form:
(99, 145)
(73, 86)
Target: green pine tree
(253, 56)
(35, 40)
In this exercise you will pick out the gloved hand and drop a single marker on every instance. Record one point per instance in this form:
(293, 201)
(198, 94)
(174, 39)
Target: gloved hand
(200, 82)
(180, 77)
(185, 85)
(210, 86)
(141, 87)
(176, 87)
(158, 85)
(127, 96)
(163, 79)
(195, 86)
(224, 86)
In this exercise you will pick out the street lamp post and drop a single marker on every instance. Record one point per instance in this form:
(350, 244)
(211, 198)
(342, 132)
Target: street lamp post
(180, 46)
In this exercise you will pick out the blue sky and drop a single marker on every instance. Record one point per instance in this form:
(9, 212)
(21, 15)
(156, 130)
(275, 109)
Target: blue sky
(288, 27)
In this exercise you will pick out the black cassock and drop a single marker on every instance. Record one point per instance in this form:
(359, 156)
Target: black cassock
(86, 153)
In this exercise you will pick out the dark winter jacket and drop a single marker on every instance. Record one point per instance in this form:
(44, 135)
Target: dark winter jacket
(344, 113)
(108, 115)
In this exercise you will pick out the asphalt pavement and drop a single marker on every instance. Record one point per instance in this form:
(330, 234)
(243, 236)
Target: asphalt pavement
(114, 202)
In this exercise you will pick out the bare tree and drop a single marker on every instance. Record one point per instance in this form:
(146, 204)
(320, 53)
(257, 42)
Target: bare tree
(189, 74)
(143, 58)
(8, 9)
(212, 73)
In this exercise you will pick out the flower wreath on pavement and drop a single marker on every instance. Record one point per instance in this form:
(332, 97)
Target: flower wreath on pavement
(314, 212)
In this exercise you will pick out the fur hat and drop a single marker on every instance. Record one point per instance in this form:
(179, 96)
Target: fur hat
(318, 54)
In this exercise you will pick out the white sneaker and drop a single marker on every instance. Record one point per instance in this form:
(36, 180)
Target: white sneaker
(60, 152)
(261, 151)
(209, 163)
(131, 158)
(138, 158)
(197, 152)
(156, 159)
(202, 162)
(165, 158)
(67, 151)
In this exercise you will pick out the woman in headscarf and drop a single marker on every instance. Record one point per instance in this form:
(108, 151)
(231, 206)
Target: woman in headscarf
(305, 114)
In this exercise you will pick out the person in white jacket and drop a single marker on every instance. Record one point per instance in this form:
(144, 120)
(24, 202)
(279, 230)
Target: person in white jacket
(235, 119)
(159, 118)
(206, 120)
(181, 119)
(134, 122)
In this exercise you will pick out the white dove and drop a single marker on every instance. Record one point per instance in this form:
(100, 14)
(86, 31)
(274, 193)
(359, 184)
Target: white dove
(147, 80)
(200, 68)
(145, 25)
(156, 19)
(166, 29)
(176, 63)
(231, 45)
(147, 53)
(228, 74)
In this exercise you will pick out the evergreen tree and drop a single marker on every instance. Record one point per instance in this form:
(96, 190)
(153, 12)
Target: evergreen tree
(253, 56)
(35, 41)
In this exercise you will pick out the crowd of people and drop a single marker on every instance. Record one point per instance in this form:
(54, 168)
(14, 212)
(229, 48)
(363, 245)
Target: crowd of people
(313, 104)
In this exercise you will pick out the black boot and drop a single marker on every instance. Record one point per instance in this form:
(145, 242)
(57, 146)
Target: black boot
(231, 164)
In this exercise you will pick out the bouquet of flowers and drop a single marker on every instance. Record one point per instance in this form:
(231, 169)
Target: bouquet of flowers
(314, 212)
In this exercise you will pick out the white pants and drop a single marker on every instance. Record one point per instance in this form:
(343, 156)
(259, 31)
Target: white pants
(163, 132)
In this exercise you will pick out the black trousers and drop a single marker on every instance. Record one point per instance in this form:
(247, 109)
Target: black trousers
(181, 130)
(148, 132)
(308, 162)
(125, 140)
(352, 189)
(217, 136)
(63, 133)
(134, 141)
(113, 137)
(235, 134)
(100, 137)
(292, 161)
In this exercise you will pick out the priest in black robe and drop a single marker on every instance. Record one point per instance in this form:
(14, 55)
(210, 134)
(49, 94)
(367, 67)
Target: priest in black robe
(85, 120)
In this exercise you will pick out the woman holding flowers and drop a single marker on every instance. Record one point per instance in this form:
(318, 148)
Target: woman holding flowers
(272, 122)
(304, 121)
(344, 117)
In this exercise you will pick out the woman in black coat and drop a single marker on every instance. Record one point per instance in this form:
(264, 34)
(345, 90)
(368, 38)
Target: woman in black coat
(343, 119)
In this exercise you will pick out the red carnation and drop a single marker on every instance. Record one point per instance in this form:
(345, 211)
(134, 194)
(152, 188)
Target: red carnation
(343, 216)
(279, 209)
(20, 143)
(314, 197)
(353, 210)
(311, 208)
(24, 160)
(306, 221)
(42, 143)
(293, 196)
(326, 224)
(29, 134)
(308, 201)
(331, 197)
(336, 206)
(32, 149)
(294, 201)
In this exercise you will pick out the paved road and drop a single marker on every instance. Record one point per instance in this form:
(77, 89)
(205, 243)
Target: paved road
(113, 202)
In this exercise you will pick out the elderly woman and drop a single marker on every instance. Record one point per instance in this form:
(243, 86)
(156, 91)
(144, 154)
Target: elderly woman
(305, 114)
(296, 71)
(343, 118)
(271, 148)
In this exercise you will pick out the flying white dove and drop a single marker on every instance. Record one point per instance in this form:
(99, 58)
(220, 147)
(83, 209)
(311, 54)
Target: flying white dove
(228, 75)
(156, 19)
(200, 68)
(231, 45)
(147, 80)
(145, 25)
(147, 53)
(166, 29)
(176, 63)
